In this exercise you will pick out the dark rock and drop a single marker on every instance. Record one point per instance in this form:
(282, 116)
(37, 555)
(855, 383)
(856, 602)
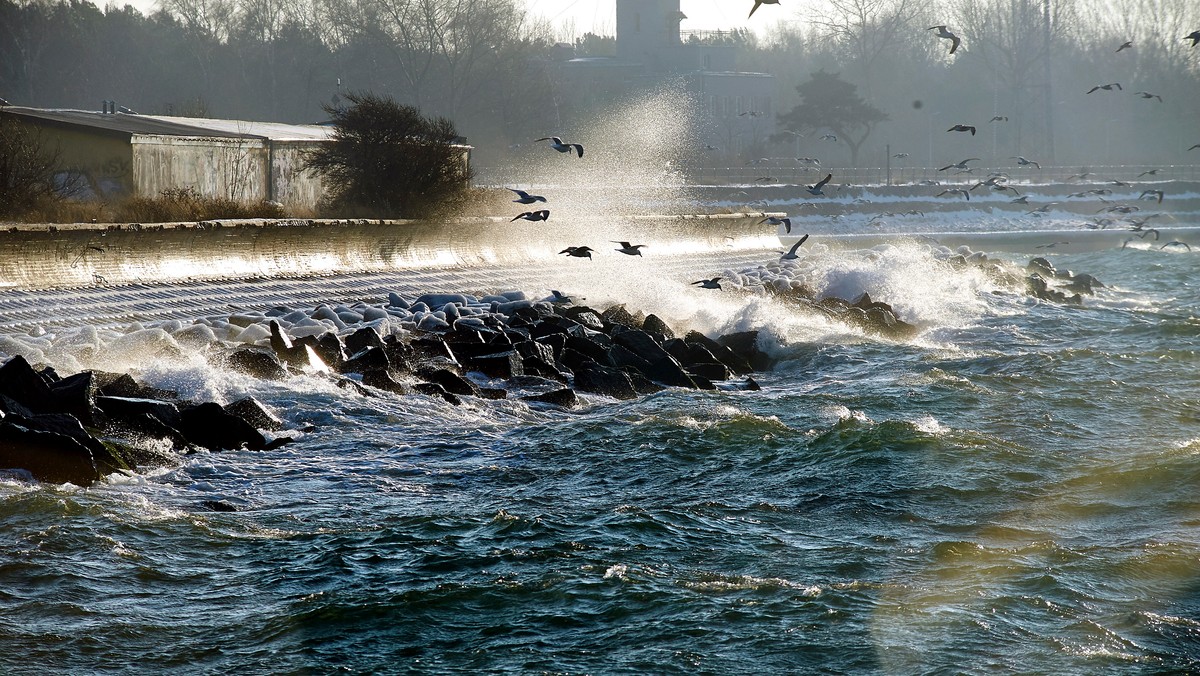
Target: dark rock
(735, 362)
(21, 383)
(329, 348)
(668, 372)
(49, 457)
(76, 395)
(528, 381)
(210, 426)
(383, 380)
(493, 393)
(1041, 266)
(147, 426)
(461, 334)
(545, 329)
(218, 506)
(588, 348)
(1084, 283)
(537, 367)
(577, 360)
(502, 365)
(287, 352)
(465, 352)
(641, 343)
(589, 320)
(450, 381)
(254, 412)
(745, 345)
(556, 343)
(564, 397)
(435, 390)
(657, 326)
(368, 359)
(708, 371)
(362, 339)
(641, 384)
(122, 408)
(348, 384)
(10, 406)
(430, 349)
(604, 380)
(123, 385)
(702, 383)
(751, 384)
(66, 425)
(617, 314)
(621, 356)
(256, 361)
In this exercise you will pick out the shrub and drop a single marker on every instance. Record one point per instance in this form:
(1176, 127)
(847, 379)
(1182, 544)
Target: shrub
(387, 160)
(26, 169)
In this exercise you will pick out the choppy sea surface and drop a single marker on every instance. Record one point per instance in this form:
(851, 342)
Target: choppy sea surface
(1013, 491)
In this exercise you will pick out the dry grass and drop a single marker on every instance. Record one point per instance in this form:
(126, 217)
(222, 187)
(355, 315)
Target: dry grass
(176, 205)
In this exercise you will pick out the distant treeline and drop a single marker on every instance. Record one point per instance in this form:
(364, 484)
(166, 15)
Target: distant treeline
(497, 74)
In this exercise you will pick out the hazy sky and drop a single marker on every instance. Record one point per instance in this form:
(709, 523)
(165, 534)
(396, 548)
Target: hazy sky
(599, 16)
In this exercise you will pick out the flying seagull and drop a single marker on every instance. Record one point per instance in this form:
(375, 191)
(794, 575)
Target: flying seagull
(1175, 243)
(578, 251)
(1148, 172)
(1128, 44)
(560, 297)
(1148, 95)
(540, 215)
(1023, 199)
(525, 198)
(963, 127)
(630, 249)
(1106, 87)
(900, 156)
(829, 137)
(960, 165)
(999, 118)
(791, 253)
(1024, 162)
(774, 220)
(1194, 36)
(815, 189)
(1044, 209)
(943, 33)
(714, 283)
(1194, 147)
(1152, 193)
(557, 144)
(964, 193)
(755, 9)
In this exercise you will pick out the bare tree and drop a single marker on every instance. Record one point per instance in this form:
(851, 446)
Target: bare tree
(869, 31)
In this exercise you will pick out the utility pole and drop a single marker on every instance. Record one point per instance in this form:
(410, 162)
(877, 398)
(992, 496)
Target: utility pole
(1049, 91)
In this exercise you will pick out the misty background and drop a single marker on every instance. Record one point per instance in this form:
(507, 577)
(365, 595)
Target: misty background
(497, 71)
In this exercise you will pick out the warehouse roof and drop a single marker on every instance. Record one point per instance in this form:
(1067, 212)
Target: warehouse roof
(131, 123)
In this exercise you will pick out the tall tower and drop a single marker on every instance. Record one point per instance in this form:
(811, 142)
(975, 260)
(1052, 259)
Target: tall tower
(645, 28)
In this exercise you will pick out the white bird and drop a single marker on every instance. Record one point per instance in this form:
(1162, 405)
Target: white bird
(815, 189)
(557, 144)
(960, 165)
(525, 198)
(900, 156)
(960, 191)
(829, 137)
(791, 253)
(714, 283)
(775, 220)
(630, 249)
(1024, 162)
(944, 33)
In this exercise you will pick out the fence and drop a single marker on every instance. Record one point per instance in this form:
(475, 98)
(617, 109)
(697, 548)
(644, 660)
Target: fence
(789, 172)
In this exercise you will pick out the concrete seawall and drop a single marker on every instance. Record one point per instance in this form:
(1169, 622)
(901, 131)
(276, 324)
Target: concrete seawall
(46, 257)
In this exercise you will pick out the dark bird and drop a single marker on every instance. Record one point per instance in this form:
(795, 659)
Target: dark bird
(560, 297)
(578, 251)
(1023, 199)
(630, 249)
(1128, 44)
(809, 160)
(755, 9)
(714, 283)
(541, 215)
(900, 156)
(963, 127)
(999, 118)
(1024, 162)
(1175, 243)
(1194, 36)
(790, 255)
(815, 189)
(960, 165)
(1148, 172)
(525, 198)
(964, 193)
(829, 137)
(1045, 209)
(1142, 233)
(943, 33)
(1148, 95)
(1152, 193)
(775, 220)
(1106, 87)
(1194, 147)
(4, 102)
(557, 144)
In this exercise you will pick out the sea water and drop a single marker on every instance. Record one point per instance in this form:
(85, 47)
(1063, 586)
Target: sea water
(1014, 490)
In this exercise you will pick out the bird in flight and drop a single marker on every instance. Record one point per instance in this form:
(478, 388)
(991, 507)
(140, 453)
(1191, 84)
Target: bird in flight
(1148, 95)
(1106, 87)
(1194, 147)
(1175, 243)
(775, 220)
(1128, 44)
(714, 283)
(1194, 36)
(540, 215)
(578, 251)
(1024, 162)
(959, 191)
(755, 9)
(999, 118)
(1152, 193)
(557, 144)
(791, 253)
(963, 127)
(960, 165)
(900, 156)
(815, 189)
(943, 33)
(525, 198)
(1148, 172)
(629, 249)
